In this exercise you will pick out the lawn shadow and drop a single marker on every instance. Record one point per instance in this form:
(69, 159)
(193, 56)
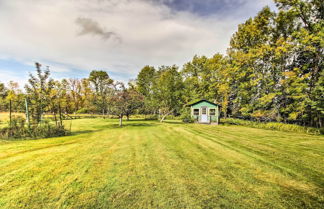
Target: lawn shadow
(127, 124)
(140, 119)
(141, 124)
(173, 122)
(73, 133)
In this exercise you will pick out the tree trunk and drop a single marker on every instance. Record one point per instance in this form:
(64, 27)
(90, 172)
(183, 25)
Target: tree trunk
(10, 118)
(164, 115)
(55, 118)
(121, 120)
(320, 125)
(159, 117)
(27, 113)
(60, 114)
(163, 118)
(127, 117)
(10, 113)
(225, 113)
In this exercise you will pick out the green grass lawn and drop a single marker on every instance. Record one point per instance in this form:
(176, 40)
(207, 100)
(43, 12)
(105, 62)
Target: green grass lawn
(172, 165)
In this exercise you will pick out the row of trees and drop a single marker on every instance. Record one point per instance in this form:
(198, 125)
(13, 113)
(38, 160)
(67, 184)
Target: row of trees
(98, 94)
(273, 71)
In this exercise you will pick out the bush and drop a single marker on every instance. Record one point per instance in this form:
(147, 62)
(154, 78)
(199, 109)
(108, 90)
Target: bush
(186, 116)
(19, 130)
(172, 117)
(82, 111)
(151, 117)
(273, 126)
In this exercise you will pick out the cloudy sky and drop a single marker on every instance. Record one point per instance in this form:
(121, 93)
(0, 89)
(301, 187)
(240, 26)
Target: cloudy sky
(74, 37)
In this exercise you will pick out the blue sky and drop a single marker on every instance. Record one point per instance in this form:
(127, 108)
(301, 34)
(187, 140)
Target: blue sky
(119, 36)
(207, 7)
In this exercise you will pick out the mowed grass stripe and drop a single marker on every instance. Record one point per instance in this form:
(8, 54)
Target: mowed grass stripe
(203, 179)
(284, 160)
(303, 186)
(53, 168)
(152, 165)
(293, 156)
(238, 173)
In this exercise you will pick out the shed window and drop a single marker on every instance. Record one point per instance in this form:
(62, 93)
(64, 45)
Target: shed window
(196, 111)
(212, 112)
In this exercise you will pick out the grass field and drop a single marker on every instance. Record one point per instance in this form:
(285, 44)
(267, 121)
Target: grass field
(172, 165)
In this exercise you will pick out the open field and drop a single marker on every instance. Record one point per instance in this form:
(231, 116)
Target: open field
(151, 165)
(4, 116)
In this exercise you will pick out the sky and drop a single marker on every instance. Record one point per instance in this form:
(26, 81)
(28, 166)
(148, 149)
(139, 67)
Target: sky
(73, 37)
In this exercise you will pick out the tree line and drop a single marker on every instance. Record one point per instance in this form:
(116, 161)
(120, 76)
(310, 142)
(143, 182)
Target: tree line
(97, 94)
(272, 71)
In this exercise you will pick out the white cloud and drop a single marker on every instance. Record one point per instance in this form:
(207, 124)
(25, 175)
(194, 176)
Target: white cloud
(46, 30)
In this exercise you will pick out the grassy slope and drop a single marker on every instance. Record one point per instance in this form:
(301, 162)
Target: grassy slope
(151, 165)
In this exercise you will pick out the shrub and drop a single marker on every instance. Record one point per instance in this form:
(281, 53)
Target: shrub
(19, 130)
(82, 111)
(48, 130)
(172, 117)
(273, 126)
(186, 116)
(151, 117)
(188, 120)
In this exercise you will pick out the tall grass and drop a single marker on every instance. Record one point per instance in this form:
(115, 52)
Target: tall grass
(274, 126)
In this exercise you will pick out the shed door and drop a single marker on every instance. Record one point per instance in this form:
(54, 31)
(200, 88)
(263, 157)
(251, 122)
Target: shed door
(204, 116)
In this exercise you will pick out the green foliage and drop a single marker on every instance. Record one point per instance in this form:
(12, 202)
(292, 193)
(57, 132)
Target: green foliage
(274, 126)
(144, 84)
(39, 92)
(133, 102)
(151, 117)
(18, 129)
(48, 130)
(125, 102)
(276, 63)
(186, 116)
(145, 80)
(168, 91)
(103, 87)
(82, 111)
(273, 71)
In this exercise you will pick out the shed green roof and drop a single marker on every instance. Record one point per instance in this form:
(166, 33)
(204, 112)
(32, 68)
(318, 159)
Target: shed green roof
(203, 101)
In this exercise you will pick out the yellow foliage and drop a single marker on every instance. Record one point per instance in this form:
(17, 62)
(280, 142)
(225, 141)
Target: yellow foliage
(289, 74)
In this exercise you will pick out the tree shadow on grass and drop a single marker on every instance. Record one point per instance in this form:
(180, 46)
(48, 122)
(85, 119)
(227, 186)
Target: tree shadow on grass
(134, 119)
(173, 122)
(127, 124)
(300, 198)
(73, 133)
